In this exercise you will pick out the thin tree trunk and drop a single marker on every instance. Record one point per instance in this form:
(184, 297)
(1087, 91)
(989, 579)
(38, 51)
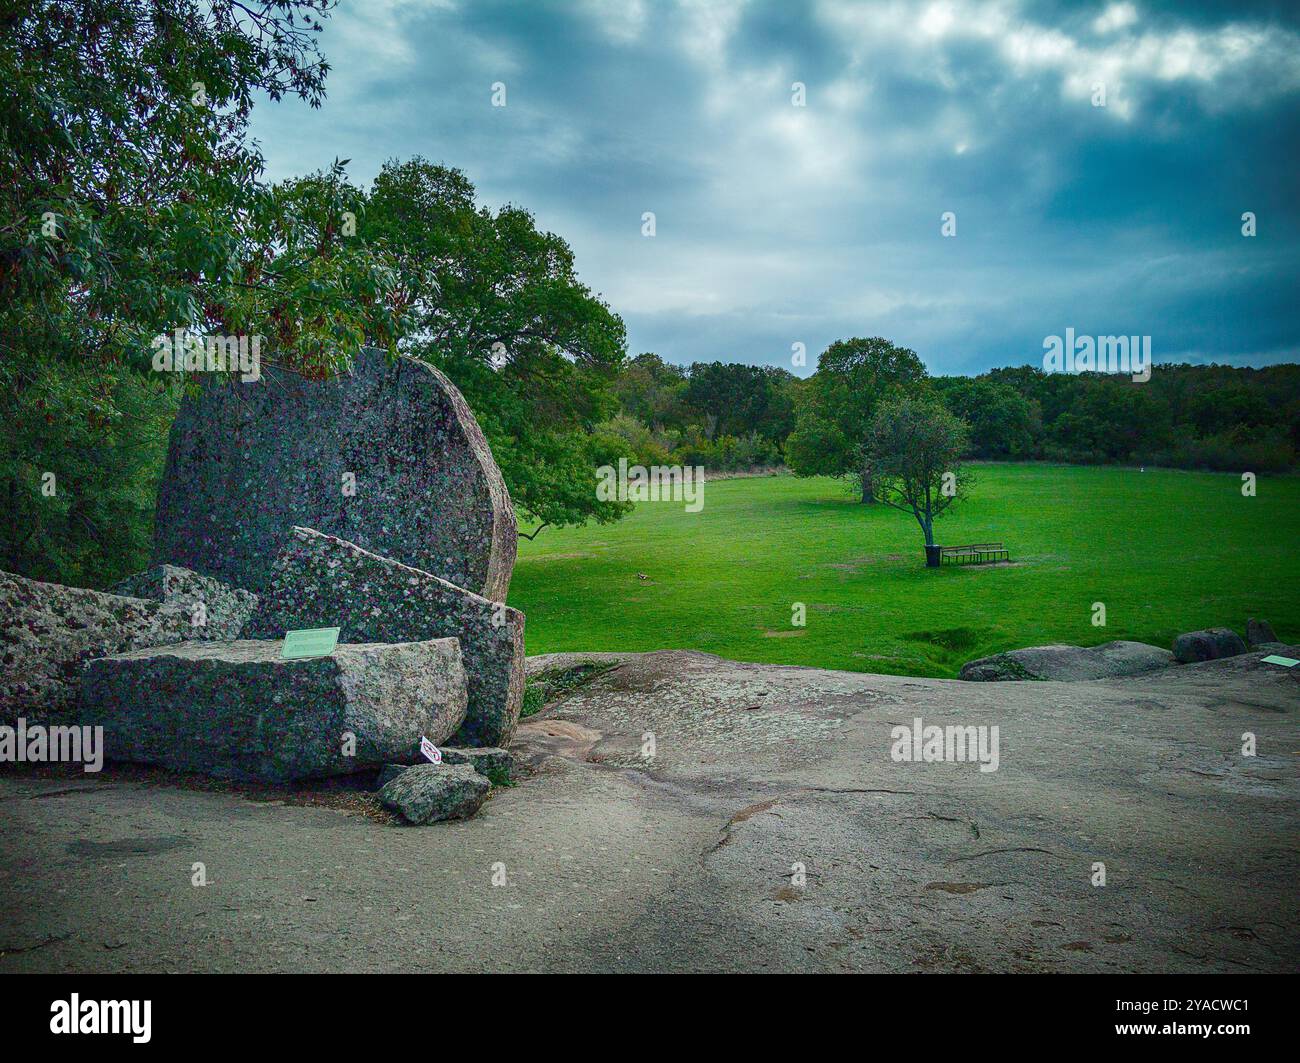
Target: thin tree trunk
(868, 494)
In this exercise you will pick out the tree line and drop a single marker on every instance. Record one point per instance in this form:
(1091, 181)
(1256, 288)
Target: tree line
(132, 204)
(733, 415)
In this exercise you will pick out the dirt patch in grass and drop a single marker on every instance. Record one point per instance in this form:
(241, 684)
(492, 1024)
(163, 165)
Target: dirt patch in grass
(855, 564)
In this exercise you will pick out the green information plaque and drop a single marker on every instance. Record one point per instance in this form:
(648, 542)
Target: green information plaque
(1285, 662)
(310, 642)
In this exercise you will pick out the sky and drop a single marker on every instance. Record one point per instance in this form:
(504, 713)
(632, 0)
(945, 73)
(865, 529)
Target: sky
(777, 224)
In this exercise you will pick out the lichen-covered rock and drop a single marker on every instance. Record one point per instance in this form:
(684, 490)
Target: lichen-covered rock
(1259, 633)
(1208, 645)
(1068, 663)
(48, 632)
(216, 610)
(238, 710)
(323, 581)
(427, 793)
(388, 457)
(491, 761)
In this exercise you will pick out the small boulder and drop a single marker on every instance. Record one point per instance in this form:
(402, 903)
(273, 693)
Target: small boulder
(1259, 633)
(1068, 663)
(1208, 645)
(239, 710)
(427, 793)
(491, 761)
(225, 611)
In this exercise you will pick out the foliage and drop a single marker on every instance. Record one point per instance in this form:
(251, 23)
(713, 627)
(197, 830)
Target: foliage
(132, 206)
(914, 447)
(853, 376)
(498, 306)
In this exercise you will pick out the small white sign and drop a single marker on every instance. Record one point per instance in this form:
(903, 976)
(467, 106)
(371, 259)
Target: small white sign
(430, 750)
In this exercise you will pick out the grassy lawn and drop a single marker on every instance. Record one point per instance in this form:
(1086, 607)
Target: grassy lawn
(1165, 551)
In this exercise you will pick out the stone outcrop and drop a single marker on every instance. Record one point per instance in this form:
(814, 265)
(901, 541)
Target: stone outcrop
(427, 793)
(1210, 644)
(388, 457)
(238, 710)
(1260, 633)
(322, 581)
(1068, 663)
(48, 632)
(225, 611)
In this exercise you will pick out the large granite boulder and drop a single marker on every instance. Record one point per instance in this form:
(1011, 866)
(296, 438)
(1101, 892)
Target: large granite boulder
(225, 613)
(427, 793)
(322, 581)
(238, 710)
(1208, 645)
(1068, 663)
(48, 632)
(248, 461)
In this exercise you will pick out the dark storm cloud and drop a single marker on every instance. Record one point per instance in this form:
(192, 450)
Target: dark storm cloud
(779, 224)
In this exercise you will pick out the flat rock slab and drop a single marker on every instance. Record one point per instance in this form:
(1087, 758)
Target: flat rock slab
(428, 793)
(48, 632)
(248, 461)
(1068, 663)
(238, 710)
(323, 581)
(611, 860)
(1212, 644)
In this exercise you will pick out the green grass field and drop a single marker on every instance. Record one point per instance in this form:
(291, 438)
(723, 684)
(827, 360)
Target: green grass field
(1165, 551)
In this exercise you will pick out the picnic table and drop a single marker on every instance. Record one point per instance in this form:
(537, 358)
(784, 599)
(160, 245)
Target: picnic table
(974, 553)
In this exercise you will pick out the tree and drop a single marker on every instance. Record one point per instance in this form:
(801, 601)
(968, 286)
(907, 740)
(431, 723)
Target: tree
(131, 205)
(915, 448)
(498, 306)
(1003, 423)
(734, 399)
(853, 377)
(652, 391)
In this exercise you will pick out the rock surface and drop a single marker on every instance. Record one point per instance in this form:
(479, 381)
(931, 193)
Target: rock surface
(323, 581)
(1069, 663)
(428, 793)
(248, 461)
(1259, 633)
(48, 632)
(491, 761)
(226, 610)
(684, 862)
(238, 710)
(1211, 644)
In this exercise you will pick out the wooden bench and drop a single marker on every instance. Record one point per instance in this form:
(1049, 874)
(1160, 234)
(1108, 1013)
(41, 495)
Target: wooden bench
(974, 553)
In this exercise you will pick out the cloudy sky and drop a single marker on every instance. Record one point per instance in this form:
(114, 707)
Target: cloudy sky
(778, 224)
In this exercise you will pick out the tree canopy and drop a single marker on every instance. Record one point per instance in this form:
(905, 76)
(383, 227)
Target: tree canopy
(853, 377)
(131, 205)
(915, 447)
(497, 305)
